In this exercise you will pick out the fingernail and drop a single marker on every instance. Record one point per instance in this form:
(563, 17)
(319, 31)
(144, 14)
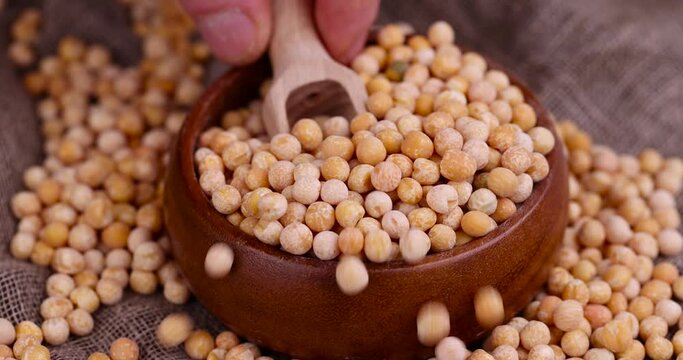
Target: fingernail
(230, 34)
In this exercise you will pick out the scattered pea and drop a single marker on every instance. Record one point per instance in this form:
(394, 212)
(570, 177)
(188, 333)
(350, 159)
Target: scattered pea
(219, 260)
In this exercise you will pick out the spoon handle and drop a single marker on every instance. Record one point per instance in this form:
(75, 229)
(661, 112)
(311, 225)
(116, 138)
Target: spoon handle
(295, 40)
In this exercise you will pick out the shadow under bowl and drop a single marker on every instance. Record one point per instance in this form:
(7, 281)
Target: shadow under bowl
(291, 304)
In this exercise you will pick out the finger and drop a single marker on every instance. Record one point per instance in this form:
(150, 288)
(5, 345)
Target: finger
(344, 24)
(236, 30)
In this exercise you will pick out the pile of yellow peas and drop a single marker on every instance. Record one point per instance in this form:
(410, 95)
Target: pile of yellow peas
(445, 152)
(606, 297)
(92, 212)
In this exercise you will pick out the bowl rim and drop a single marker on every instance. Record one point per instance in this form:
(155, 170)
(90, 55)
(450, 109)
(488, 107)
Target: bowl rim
(200, 118)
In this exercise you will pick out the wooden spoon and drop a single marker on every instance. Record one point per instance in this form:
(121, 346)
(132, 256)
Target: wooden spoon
(306, 80)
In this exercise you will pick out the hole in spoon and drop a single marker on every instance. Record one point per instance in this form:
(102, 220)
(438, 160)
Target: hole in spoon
(326, 97)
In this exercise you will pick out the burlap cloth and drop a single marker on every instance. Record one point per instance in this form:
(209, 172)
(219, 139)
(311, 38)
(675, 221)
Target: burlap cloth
(614, 66)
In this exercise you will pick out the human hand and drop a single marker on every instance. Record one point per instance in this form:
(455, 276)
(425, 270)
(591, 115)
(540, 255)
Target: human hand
(238, 31)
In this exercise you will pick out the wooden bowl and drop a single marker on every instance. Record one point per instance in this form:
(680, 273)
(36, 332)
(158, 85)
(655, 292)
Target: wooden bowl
(292, 304)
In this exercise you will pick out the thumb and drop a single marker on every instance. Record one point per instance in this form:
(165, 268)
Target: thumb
(344, 24)
(236, 30)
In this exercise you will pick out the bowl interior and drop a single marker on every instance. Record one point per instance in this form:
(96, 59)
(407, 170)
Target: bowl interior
(223, 96)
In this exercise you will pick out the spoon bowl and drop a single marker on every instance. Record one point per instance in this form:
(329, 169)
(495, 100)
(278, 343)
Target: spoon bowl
(306, 80)
(292, 304)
